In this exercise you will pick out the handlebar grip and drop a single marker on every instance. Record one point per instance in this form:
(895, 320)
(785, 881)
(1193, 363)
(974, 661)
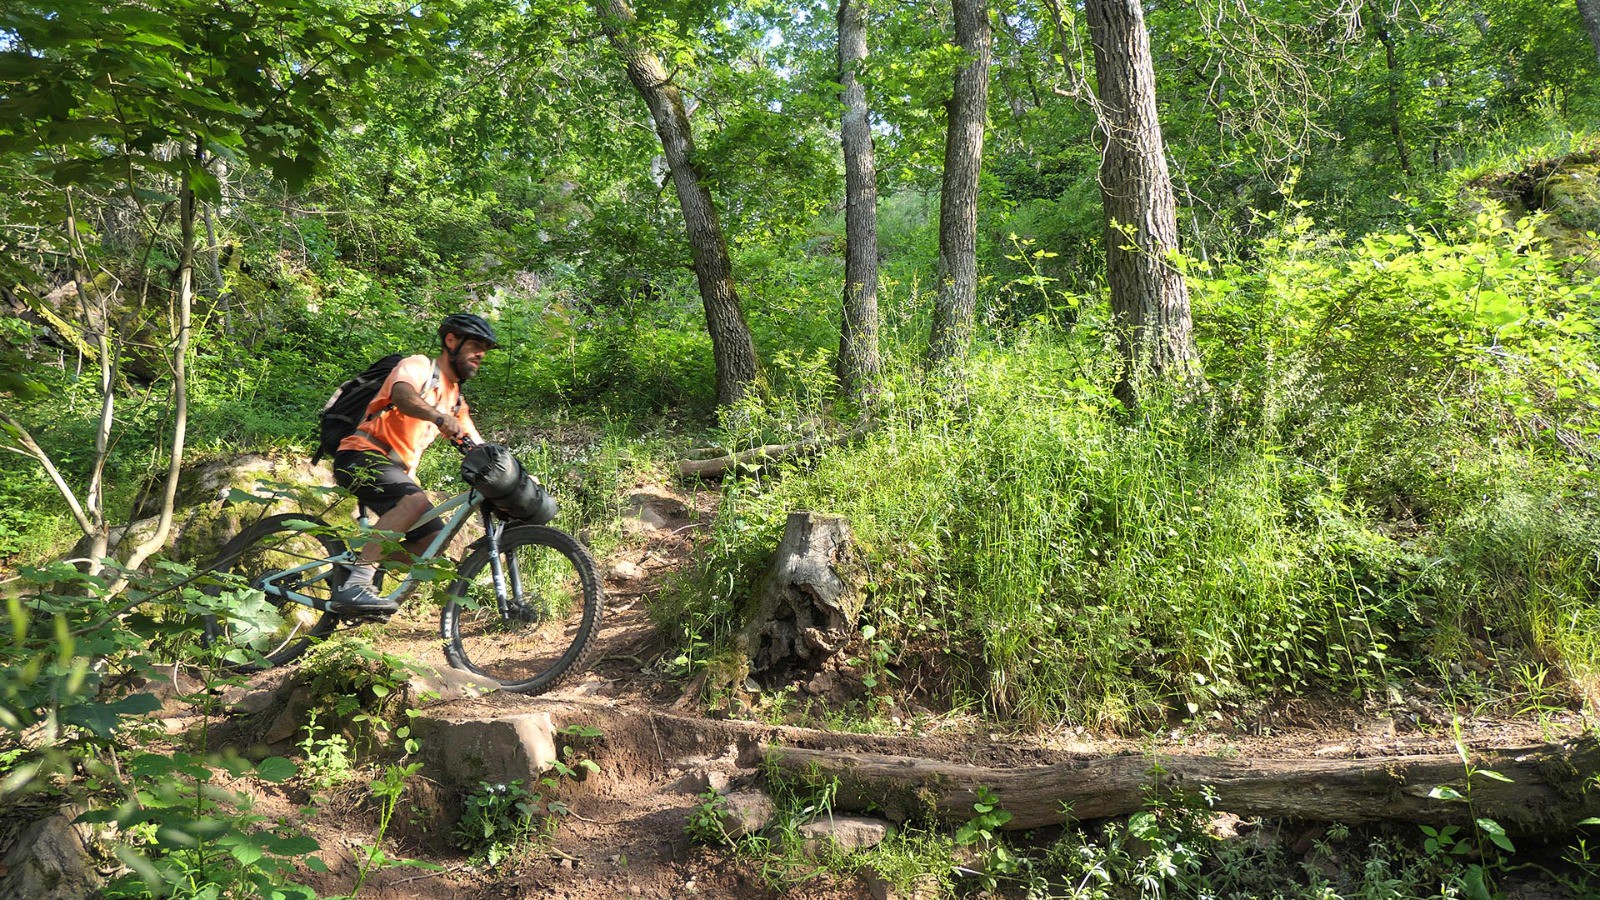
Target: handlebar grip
(464, 443)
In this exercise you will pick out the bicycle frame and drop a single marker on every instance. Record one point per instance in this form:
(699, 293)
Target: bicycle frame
(458, 508)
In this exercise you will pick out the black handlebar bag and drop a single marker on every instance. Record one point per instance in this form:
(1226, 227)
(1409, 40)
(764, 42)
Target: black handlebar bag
(493, 470)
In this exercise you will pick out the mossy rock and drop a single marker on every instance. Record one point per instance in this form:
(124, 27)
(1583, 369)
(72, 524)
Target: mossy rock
(209, 507)
(1567, 189)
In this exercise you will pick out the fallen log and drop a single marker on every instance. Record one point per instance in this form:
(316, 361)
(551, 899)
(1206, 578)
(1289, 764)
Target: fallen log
(717, 467)
(1548, 789)
(710, 464)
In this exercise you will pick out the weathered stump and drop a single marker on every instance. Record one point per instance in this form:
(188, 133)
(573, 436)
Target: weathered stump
(808, 609)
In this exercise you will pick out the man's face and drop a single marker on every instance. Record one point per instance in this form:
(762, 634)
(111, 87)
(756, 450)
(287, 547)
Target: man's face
(467, 355)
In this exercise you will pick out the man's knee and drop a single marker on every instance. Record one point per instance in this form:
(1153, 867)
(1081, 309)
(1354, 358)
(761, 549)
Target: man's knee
(405, 513)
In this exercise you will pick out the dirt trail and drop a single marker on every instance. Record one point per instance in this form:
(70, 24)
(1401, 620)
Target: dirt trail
(625, 836)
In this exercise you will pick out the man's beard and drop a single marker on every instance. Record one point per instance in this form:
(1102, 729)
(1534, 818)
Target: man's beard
(464, 369)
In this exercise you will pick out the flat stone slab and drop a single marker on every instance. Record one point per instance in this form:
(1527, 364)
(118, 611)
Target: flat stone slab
(848, 833)
(432, 686)
(463, 751)
(746, 812)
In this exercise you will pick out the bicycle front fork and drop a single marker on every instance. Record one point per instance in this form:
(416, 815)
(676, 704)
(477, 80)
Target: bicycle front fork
(506, 573)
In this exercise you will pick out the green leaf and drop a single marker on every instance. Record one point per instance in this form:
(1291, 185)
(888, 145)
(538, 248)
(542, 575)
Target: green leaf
(276, 769)
(1497, 834)
(103, 718)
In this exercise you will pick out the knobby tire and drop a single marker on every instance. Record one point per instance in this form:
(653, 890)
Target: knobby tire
(553, 639)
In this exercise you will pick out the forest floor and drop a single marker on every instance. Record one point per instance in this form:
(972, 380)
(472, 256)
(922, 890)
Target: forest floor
(626, 836)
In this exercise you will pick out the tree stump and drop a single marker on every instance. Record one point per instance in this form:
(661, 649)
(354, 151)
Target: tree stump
(808, 608)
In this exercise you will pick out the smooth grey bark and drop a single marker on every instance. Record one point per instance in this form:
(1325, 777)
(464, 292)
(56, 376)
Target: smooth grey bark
(182, 326)
(1589, 11)
(859, 365)
(731, 345)
(958, 200)
(1149, 298)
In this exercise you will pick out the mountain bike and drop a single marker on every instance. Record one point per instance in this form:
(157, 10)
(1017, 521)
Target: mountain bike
(523, 608)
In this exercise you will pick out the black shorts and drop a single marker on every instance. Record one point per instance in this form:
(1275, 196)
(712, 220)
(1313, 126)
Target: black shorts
(379, 484)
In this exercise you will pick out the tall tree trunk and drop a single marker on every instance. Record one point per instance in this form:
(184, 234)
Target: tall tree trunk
(1392, 61)
(731, 346)
(859, 366)
(1149, 298)
(1589, 11)
(958, 200)
(182, 317)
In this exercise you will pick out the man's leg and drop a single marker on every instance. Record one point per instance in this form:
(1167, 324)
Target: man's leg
(387, 489)
(404, 515)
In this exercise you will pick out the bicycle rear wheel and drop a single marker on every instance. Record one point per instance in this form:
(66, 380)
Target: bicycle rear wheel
(259, 631)
(554, 605)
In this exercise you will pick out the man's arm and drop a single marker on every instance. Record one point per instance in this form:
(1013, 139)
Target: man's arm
(408, 400)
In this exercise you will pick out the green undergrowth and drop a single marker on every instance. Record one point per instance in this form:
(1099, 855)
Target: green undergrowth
(1388, 469)
(1176, 845)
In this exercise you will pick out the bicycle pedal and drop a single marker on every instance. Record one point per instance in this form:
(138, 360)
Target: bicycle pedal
(362, 616)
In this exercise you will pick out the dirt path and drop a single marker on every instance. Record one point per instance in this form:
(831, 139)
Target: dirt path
(625, 836)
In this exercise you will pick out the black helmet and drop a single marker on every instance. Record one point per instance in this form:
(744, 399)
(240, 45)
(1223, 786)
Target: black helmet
(468, 326)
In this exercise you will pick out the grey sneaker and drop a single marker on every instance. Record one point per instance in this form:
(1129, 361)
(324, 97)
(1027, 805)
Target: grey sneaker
(360, 600)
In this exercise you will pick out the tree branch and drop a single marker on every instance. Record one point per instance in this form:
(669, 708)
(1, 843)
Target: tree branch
(32, 448)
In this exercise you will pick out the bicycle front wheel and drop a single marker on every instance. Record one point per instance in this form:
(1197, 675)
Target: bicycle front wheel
(259, 631)
(544, 631)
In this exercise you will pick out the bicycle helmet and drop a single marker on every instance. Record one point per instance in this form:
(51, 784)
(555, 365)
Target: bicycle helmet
(468, 326)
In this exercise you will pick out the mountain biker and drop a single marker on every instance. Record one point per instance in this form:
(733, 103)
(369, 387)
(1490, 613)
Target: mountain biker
(419, 400)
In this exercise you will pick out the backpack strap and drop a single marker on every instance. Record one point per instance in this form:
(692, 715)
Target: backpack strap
(434, 381)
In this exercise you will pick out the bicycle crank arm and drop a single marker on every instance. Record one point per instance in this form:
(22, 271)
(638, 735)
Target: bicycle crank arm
(283, 593)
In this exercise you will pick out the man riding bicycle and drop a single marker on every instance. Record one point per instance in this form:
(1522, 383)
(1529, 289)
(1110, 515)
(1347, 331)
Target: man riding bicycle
(419, 400)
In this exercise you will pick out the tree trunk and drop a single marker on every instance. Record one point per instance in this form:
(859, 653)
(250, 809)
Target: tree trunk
(808, 609)
(958, 199)
(731, 345)
(1149, 299)
(1392, 61)
(94, 497)
(181, 323)
(859, 366)
(1589, 11)
(1546, 791)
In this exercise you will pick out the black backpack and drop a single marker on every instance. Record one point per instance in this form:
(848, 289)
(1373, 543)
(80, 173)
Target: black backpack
(346, 410)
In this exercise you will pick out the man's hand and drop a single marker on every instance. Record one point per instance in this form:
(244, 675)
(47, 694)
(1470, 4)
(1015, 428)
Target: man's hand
(449, 426)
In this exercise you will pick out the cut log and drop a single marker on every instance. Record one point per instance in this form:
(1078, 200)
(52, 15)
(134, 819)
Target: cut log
(1547, 790)
(807, 611)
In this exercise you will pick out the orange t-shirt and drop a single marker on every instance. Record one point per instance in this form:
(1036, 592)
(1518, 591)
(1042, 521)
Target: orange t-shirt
(405, 435)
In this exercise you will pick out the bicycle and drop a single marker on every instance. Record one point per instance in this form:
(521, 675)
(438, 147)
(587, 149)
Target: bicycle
(524, 607)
